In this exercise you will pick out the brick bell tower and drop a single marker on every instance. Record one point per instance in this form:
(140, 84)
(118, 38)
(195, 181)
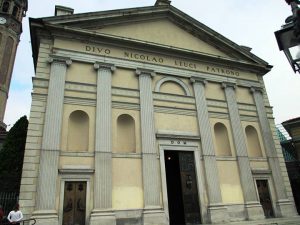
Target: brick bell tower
(11, 15)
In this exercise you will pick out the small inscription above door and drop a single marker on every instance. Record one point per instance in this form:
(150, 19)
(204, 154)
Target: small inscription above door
(74, 203)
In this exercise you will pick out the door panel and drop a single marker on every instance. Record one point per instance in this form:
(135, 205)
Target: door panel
(74, 203)
(265, 198)
(182, 188)
(189, 188)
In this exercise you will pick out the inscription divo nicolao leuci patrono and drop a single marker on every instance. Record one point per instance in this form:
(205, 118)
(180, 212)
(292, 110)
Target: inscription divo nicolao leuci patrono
(161, 60)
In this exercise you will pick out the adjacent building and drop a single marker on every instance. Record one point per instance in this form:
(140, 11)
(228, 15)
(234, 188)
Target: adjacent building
(147, 116)
(291, 150)
(11, 15)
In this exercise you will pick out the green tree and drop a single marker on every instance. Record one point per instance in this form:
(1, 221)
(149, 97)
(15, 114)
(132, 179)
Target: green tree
(12, 155)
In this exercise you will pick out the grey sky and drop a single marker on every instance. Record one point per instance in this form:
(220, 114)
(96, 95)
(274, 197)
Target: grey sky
(249, 23)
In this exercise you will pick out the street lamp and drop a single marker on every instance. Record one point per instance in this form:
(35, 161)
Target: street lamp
(288, 37)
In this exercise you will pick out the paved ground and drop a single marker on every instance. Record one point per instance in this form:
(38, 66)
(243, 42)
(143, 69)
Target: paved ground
(275, 221)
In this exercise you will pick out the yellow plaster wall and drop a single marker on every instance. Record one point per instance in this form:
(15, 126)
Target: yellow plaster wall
(176, 122)
(214, 91)
(90, 111)
(243, 95)
(127, 192)
(82, 73)
(125, 78)
(65, 161)
(231, 189)
(213, 121)
(164, 32)
(136, 116)
(256, 164)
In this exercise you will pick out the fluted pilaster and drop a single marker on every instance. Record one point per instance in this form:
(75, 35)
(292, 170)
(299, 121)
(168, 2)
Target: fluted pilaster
(151, 175)
(284, 206)
(208, 150)
(46, 195)
(247, 181)
(103, 156)
(269, 143)
(216, 211)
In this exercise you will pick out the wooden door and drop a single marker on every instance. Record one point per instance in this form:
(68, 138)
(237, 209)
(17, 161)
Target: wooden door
(265, 197)
(74, 203)
(189, 188)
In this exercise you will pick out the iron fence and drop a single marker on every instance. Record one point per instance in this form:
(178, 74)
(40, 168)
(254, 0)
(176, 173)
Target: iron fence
(8, 200)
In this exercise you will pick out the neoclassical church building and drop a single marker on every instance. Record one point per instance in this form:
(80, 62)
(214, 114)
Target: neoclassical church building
(147, 116)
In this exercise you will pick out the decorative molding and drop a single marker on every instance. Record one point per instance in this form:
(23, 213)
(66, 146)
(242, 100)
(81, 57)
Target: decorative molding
(228, 84)
(127, 155)
(173, 98)
(101, 65)
(142, 71)
(59, 59)
(170, 134)
(198, 79)
(175, 80)
(76, 171)
(187, 112)
(261, 172)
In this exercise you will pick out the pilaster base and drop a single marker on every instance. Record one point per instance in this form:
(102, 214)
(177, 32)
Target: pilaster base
(45, 217)
(102, 217)
(286, 208)
(154, 217)
(218, 213)
(254, 211)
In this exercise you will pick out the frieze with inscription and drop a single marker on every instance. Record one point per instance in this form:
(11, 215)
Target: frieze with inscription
(144, 57)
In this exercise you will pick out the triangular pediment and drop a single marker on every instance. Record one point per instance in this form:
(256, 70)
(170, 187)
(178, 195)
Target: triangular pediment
(163, 28)
(163, 32)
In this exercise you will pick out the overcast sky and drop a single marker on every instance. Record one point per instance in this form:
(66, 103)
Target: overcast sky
(250, 23)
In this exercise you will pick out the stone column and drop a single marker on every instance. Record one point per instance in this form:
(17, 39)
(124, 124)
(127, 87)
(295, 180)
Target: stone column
(217, 212)
(285, 207)
(46, 193)
(153, 213)
(102, 212)
(253, 208)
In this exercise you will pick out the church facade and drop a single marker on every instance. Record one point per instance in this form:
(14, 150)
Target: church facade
(147, 116)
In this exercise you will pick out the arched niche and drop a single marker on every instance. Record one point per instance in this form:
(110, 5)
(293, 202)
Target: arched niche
(253, 143)
(78, 131)
(179, 86)
(126, 138)
(222, 140)
(5, 7)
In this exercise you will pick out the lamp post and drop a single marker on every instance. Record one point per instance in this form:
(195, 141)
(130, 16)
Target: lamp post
(288, 37)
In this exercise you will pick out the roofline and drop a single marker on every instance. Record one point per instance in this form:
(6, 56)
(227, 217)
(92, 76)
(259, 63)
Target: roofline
(259, 64)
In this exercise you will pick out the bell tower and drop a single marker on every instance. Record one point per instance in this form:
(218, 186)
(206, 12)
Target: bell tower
(11, 15)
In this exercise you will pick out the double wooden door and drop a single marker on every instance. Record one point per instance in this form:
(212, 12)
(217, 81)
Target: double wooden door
(182, 188)
(74, 203)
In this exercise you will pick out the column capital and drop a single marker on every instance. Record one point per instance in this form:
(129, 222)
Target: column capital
(228, 85)
(141, 71)
(256, 89)
(98, 65)
(59, 59)
(198, 80)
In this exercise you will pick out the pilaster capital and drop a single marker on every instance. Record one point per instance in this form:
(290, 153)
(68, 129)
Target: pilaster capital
(256, 89)
(228, 85)
(198, 80)
(57, 59)
(141, 71)
(99, 65)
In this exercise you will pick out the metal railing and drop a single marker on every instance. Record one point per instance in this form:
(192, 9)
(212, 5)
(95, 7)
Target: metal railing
(8, 200)
(22, 222)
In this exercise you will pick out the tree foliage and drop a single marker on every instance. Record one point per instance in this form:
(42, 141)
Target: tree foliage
(12, 155)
